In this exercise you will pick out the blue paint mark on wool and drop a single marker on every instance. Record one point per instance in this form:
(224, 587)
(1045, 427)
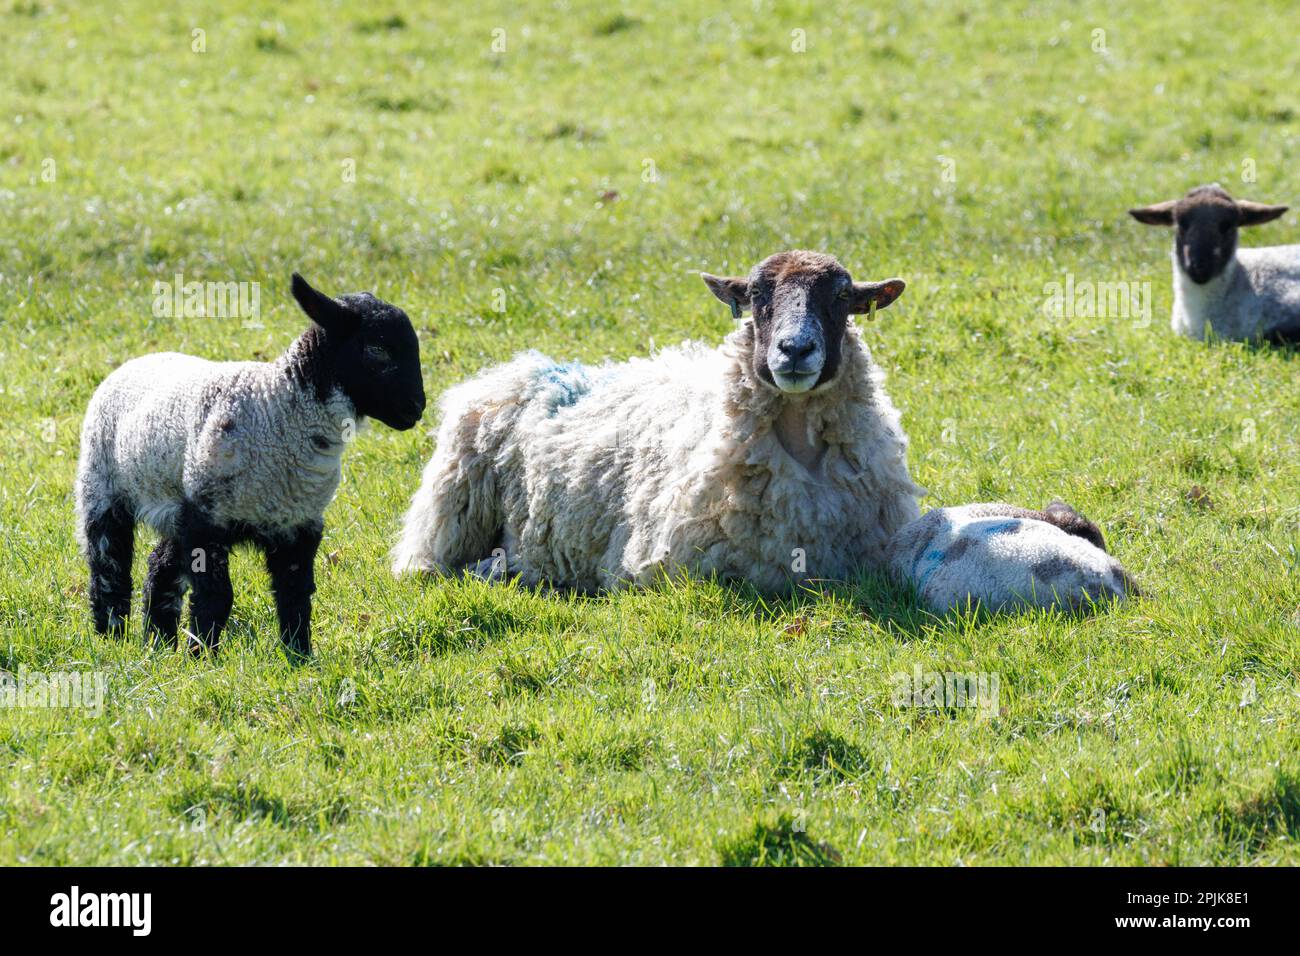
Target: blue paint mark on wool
(559, 386)
(1002, 527)
(933, 561)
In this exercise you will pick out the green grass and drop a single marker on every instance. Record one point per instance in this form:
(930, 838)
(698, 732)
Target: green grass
(692, 723)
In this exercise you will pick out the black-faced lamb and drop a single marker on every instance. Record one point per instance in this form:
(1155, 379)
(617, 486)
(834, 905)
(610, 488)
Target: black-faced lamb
(775, 458)
(215, 454)
(1239, 294)
(1002, 558)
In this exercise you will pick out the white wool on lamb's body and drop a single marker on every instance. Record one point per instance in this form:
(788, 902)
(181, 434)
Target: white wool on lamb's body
(215, 455)
(1256, 296)
(993, 556)
(245, 439)
(600, 478)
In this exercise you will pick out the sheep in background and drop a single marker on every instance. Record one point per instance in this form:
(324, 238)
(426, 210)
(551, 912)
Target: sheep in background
(1241, 294)
(214, 454)
(775, 458)
(1002, 558)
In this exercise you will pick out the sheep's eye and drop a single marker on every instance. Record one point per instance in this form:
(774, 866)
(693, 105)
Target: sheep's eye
(377, 352)
(845, 292)
(321, 442)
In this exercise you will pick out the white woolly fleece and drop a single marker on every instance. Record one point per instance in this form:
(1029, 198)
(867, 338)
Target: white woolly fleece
(238, 437)
(1258, 294)
(991, 555)
(602, 478)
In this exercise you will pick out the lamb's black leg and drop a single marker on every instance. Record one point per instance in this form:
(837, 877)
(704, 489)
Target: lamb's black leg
(164, 591)
(205, 557)
(110, 546)
(291, 561)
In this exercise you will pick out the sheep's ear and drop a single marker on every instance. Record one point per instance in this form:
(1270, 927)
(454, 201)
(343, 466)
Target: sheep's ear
(1256, 213)
(329, 314)
(733, 291)
(867, 297)
(1071, 522)
(1059, 509)
(1161, 214)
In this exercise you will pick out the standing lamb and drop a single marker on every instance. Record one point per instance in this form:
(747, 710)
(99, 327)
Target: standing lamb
(1001, 557)
(775, 458)
(1241, 294)
(214, 454)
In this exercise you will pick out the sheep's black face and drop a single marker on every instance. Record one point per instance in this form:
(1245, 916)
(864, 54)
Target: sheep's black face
(801, 303)
(1206, 239)
(381, 373)
(1206, 221)
(371, 351)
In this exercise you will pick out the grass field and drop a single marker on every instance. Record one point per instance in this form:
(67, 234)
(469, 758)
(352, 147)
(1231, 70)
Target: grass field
(581, 177)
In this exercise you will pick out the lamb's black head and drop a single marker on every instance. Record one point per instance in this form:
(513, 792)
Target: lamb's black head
(1206, 220)
(801, 304)
(370, 351)
(1071, 522)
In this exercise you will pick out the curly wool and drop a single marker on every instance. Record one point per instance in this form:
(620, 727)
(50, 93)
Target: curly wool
(167, 428)
(597, 479)
(1002, 558)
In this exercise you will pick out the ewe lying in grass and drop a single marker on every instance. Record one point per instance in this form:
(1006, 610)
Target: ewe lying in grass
(212, 454)
(1241, 294)
(1006, 558)
(774, 458)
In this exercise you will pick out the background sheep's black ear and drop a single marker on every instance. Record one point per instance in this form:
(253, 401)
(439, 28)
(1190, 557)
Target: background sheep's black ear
(329, 314)
(734, 290)
(1071, 522)
(1255, 213)
(1161, 214)
(864, 294)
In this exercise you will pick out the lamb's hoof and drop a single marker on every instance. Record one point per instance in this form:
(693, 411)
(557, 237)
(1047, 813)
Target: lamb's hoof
(493, 570)
(111, 624)
(297, 657)
(197, 646)
(157, 640)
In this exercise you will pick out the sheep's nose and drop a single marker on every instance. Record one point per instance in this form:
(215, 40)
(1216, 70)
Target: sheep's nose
(796, 348)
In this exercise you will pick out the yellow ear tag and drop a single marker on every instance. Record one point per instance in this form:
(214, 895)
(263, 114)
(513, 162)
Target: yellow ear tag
(871, 311)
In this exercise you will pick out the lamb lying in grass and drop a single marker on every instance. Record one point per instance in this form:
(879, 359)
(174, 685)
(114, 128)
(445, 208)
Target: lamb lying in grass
(775, 458)
(1240, 294)
(1002, 558)
(213, 454)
